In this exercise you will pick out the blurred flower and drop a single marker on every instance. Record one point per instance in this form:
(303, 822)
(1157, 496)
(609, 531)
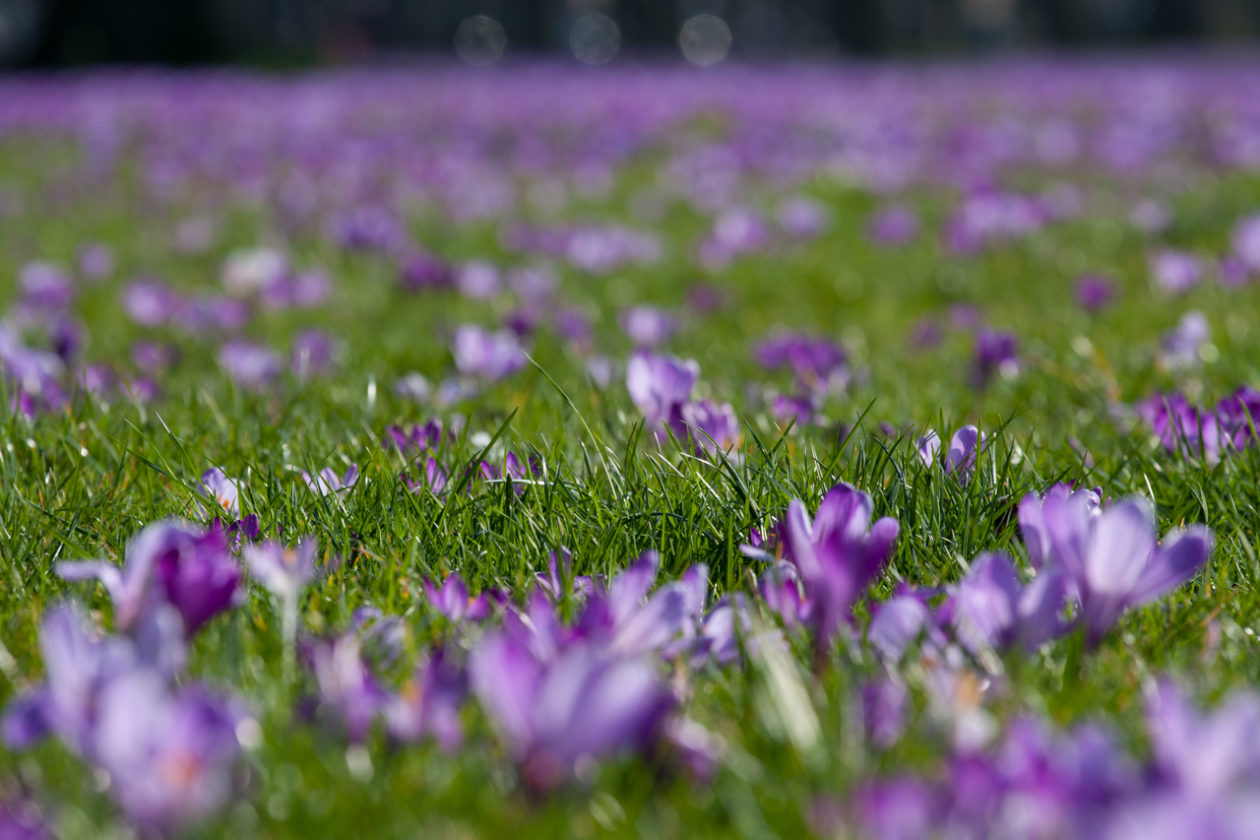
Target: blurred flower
(585, 704)
(169, 562)
(428, 704)
(1111, 559)
(647, 326)
(995, 352)
(990, 609)
(250, 365)
(170, 755)
(1094, 292)
(1246, 243)
(960, 460)
(453, 601)
(713, 428)
(283, 571)
(660, 385)
(836, 554)
(1176, 272)
(1182, 346)
(893, 226)
(327, 483)
(225, 492)
(802, 217)
(486, 355)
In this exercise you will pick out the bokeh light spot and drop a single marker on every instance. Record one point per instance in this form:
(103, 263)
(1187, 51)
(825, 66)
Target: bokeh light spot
(704, 39)
(594, 38)
(480, 40)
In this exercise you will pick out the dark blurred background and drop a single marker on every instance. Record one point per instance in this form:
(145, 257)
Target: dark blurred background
(297, 32)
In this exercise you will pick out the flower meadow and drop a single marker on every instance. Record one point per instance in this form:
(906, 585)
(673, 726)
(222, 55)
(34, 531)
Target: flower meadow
(859, 451)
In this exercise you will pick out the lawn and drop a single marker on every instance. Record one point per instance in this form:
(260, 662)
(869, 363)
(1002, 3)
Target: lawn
(457, 449)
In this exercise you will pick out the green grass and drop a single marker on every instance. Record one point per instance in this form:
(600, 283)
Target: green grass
(80, 483)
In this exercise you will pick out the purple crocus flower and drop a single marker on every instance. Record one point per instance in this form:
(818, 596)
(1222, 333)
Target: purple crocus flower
(787, 409)
(899, 809)
(802, 217)
(282, 570)
(1239, 415)
(169, 562)
(428, 704)
(1246, 243)
(893, 226)
(347, 688)
(819, 364)
(1035, 512)
(328, 483)
(96, 261)
(837, 554)
(628, 620)
(478, 280)
(421, 272)
(995, 352)
(78, 662)
(151, 303)
(209, 313)
(960, 460)
(1176, 272)
(170, 755)
(781, 589)
(434, 478)
(990, 609)
(560, 571)
(585, 704)
(647, 326)
(296, 290)
(413, 386)
(1094, 292)
(154, 357)
(252, 366)
(1182, 346)
(713, 428)
(660, 385)
(513, 469)
(1112, 560)
(313, 353)
(453, 601)
(251, 272)
(885, 708)
(1182, 427)
(45, 287)
(223, 490)
(899, 622)
(1205, 772)
(491, 356)
(415, 438)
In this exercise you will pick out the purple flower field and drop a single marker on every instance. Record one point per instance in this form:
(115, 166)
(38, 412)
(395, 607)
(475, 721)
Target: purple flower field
(860, 451)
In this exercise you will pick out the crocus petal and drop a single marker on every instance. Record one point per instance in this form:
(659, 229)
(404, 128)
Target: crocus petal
(1040, 608)
(985, 602)
(798, 540)
(1175, 562)
(963, 447)
(845, 510)
(898, 624)
(927, 447)
(25, 721)
(630, 587)
(1119, 547)
(505, 677)
(653, 625)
